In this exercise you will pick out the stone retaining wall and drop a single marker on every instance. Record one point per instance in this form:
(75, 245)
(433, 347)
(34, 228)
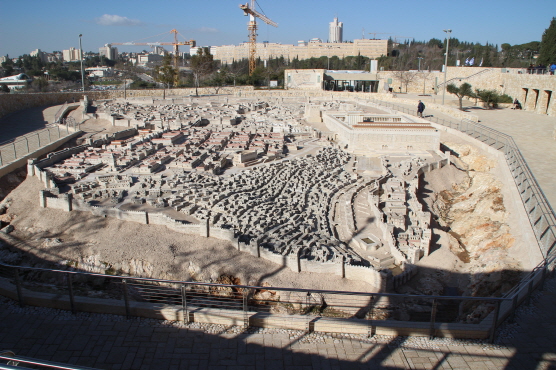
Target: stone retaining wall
(10, 103)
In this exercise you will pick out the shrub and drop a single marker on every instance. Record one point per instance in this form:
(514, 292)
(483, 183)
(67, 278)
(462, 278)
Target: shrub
(505, 98)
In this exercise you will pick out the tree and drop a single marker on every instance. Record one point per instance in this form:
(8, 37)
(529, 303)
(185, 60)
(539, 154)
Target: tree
(547, 53)
(405, 77)
(219, 79)
(202, 64)
(425, 76)
(489, 97)
(461, 92)
(165, 73)
(40, 84)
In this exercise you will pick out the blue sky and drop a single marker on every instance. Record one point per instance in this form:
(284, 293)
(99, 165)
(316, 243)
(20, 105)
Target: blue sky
(56, 24)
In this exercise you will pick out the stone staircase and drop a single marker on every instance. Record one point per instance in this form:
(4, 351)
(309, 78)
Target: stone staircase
(451, 80)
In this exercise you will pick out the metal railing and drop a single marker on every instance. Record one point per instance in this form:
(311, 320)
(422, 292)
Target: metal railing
(19, 362)
(441, 85)
(60, 112)
(243, 305)
(21, 146)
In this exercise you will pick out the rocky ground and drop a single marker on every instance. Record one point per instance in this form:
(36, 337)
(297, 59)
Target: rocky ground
(471, 228)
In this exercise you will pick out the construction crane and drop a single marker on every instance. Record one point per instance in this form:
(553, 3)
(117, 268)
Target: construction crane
(176, 44)
(252, 28)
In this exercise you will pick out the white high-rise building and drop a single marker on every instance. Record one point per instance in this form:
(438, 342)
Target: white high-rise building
(335, 31)
(109, 52)
(71, 55)
(40, 54)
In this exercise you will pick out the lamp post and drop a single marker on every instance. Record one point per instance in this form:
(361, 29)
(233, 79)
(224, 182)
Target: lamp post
(81, 59)
(419, 58)
(125, 86)
(448, 32)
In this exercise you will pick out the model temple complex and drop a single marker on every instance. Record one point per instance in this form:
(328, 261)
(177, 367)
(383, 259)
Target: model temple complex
(255, 174)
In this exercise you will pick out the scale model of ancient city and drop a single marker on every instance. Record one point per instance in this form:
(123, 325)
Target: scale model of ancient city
(325, 187)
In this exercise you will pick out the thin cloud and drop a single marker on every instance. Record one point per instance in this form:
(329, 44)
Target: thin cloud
(117, 20)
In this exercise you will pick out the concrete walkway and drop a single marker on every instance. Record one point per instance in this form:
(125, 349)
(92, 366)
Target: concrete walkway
(22, 122)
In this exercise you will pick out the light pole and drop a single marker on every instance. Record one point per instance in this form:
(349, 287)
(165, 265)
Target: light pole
(125, 85)
(448, 32)
(419, 58)
(81, 59)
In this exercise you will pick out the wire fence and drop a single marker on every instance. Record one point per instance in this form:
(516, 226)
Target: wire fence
(23, 145)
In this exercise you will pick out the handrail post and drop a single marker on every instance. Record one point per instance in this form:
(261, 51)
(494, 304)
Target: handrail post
(184, 303)
(495, 321)
(433, 319)
(126, 298)
(372, 328)
(543, 277)
(245, 315)
(530, 290)
(70, 291)
(18, 288)
(514, 304)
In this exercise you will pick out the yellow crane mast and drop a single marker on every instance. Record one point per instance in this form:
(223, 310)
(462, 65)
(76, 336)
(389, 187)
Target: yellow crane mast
(252, 28)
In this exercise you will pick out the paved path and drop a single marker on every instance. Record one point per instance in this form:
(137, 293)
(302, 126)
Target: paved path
(25, 121)
(112, 342)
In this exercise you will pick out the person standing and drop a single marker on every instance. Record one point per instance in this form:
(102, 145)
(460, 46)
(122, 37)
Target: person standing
(420, 109)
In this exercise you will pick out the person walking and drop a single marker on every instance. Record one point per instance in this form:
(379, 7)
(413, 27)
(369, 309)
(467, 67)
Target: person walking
(420, 109)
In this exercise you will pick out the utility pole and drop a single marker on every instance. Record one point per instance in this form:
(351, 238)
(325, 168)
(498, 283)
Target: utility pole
(419, 58)
(81, 59)
(448, 32)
